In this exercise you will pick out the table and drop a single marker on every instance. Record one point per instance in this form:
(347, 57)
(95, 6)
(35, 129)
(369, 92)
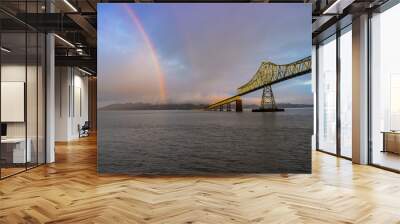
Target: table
(19, 155)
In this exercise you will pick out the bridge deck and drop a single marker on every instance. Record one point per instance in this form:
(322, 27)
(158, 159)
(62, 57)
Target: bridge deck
(225, 101)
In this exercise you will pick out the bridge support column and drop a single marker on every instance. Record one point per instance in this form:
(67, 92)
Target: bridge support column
(268, 98)
(238, 105)
(221, 108)
(228, 107)
(267, 101)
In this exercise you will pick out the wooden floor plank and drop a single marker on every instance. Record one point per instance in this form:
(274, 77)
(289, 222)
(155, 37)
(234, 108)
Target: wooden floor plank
(71, 191)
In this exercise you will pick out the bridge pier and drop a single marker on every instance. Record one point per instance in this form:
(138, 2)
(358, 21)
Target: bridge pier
(228, 107)
(221, 108)
(238, 105)
(268, 101)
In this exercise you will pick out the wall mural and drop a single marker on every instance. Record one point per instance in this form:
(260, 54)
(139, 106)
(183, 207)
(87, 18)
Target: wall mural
(193, 89)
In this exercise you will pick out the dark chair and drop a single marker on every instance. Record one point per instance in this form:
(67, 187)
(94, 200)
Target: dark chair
(84, 130)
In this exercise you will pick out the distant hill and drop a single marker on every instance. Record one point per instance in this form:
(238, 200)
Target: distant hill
(182, 106)
(148, 106)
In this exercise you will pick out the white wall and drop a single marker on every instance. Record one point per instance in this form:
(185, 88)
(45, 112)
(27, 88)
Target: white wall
(33, 127)
(70, 84)
(13, 101)
(82, 82)
(12, 73)
(62, 82)
(79, 112)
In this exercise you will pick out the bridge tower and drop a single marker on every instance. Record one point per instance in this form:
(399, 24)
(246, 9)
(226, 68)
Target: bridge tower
(268, 101)
(267, 98)
(238, 106)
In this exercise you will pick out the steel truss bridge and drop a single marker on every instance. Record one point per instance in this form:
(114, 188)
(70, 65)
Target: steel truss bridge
(267, 74)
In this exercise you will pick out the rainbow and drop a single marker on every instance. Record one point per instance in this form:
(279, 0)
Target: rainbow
(152, 50)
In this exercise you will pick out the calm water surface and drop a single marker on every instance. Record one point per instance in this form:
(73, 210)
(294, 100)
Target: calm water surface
(204, 142)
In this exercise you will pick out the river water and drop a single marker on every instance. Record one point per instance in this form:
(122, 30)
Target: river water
(204, 142)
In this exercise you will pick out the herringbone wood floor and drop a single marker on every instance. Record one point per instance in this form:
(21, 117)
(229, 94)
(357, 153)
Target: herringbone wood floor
(70, 191)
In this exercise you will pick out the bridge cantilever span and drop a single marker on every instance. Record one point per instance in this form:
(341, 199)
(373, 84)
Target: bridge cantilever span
(268, 74)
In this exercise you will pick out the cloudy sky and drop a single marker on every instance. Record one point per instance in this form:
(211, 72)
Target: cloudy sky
(198, 53)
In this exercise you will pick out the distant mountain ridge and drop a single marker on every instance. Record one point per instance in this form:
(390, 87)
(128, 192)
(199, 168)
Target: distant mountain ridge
(182, 106)
(149, 106)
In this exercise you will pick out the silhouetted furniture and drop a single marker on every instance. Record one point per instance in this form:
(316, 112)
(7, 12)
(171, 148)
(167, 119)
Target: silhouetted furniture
(84, 130)
(391, 141)
(13, 150)
(3, 130)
